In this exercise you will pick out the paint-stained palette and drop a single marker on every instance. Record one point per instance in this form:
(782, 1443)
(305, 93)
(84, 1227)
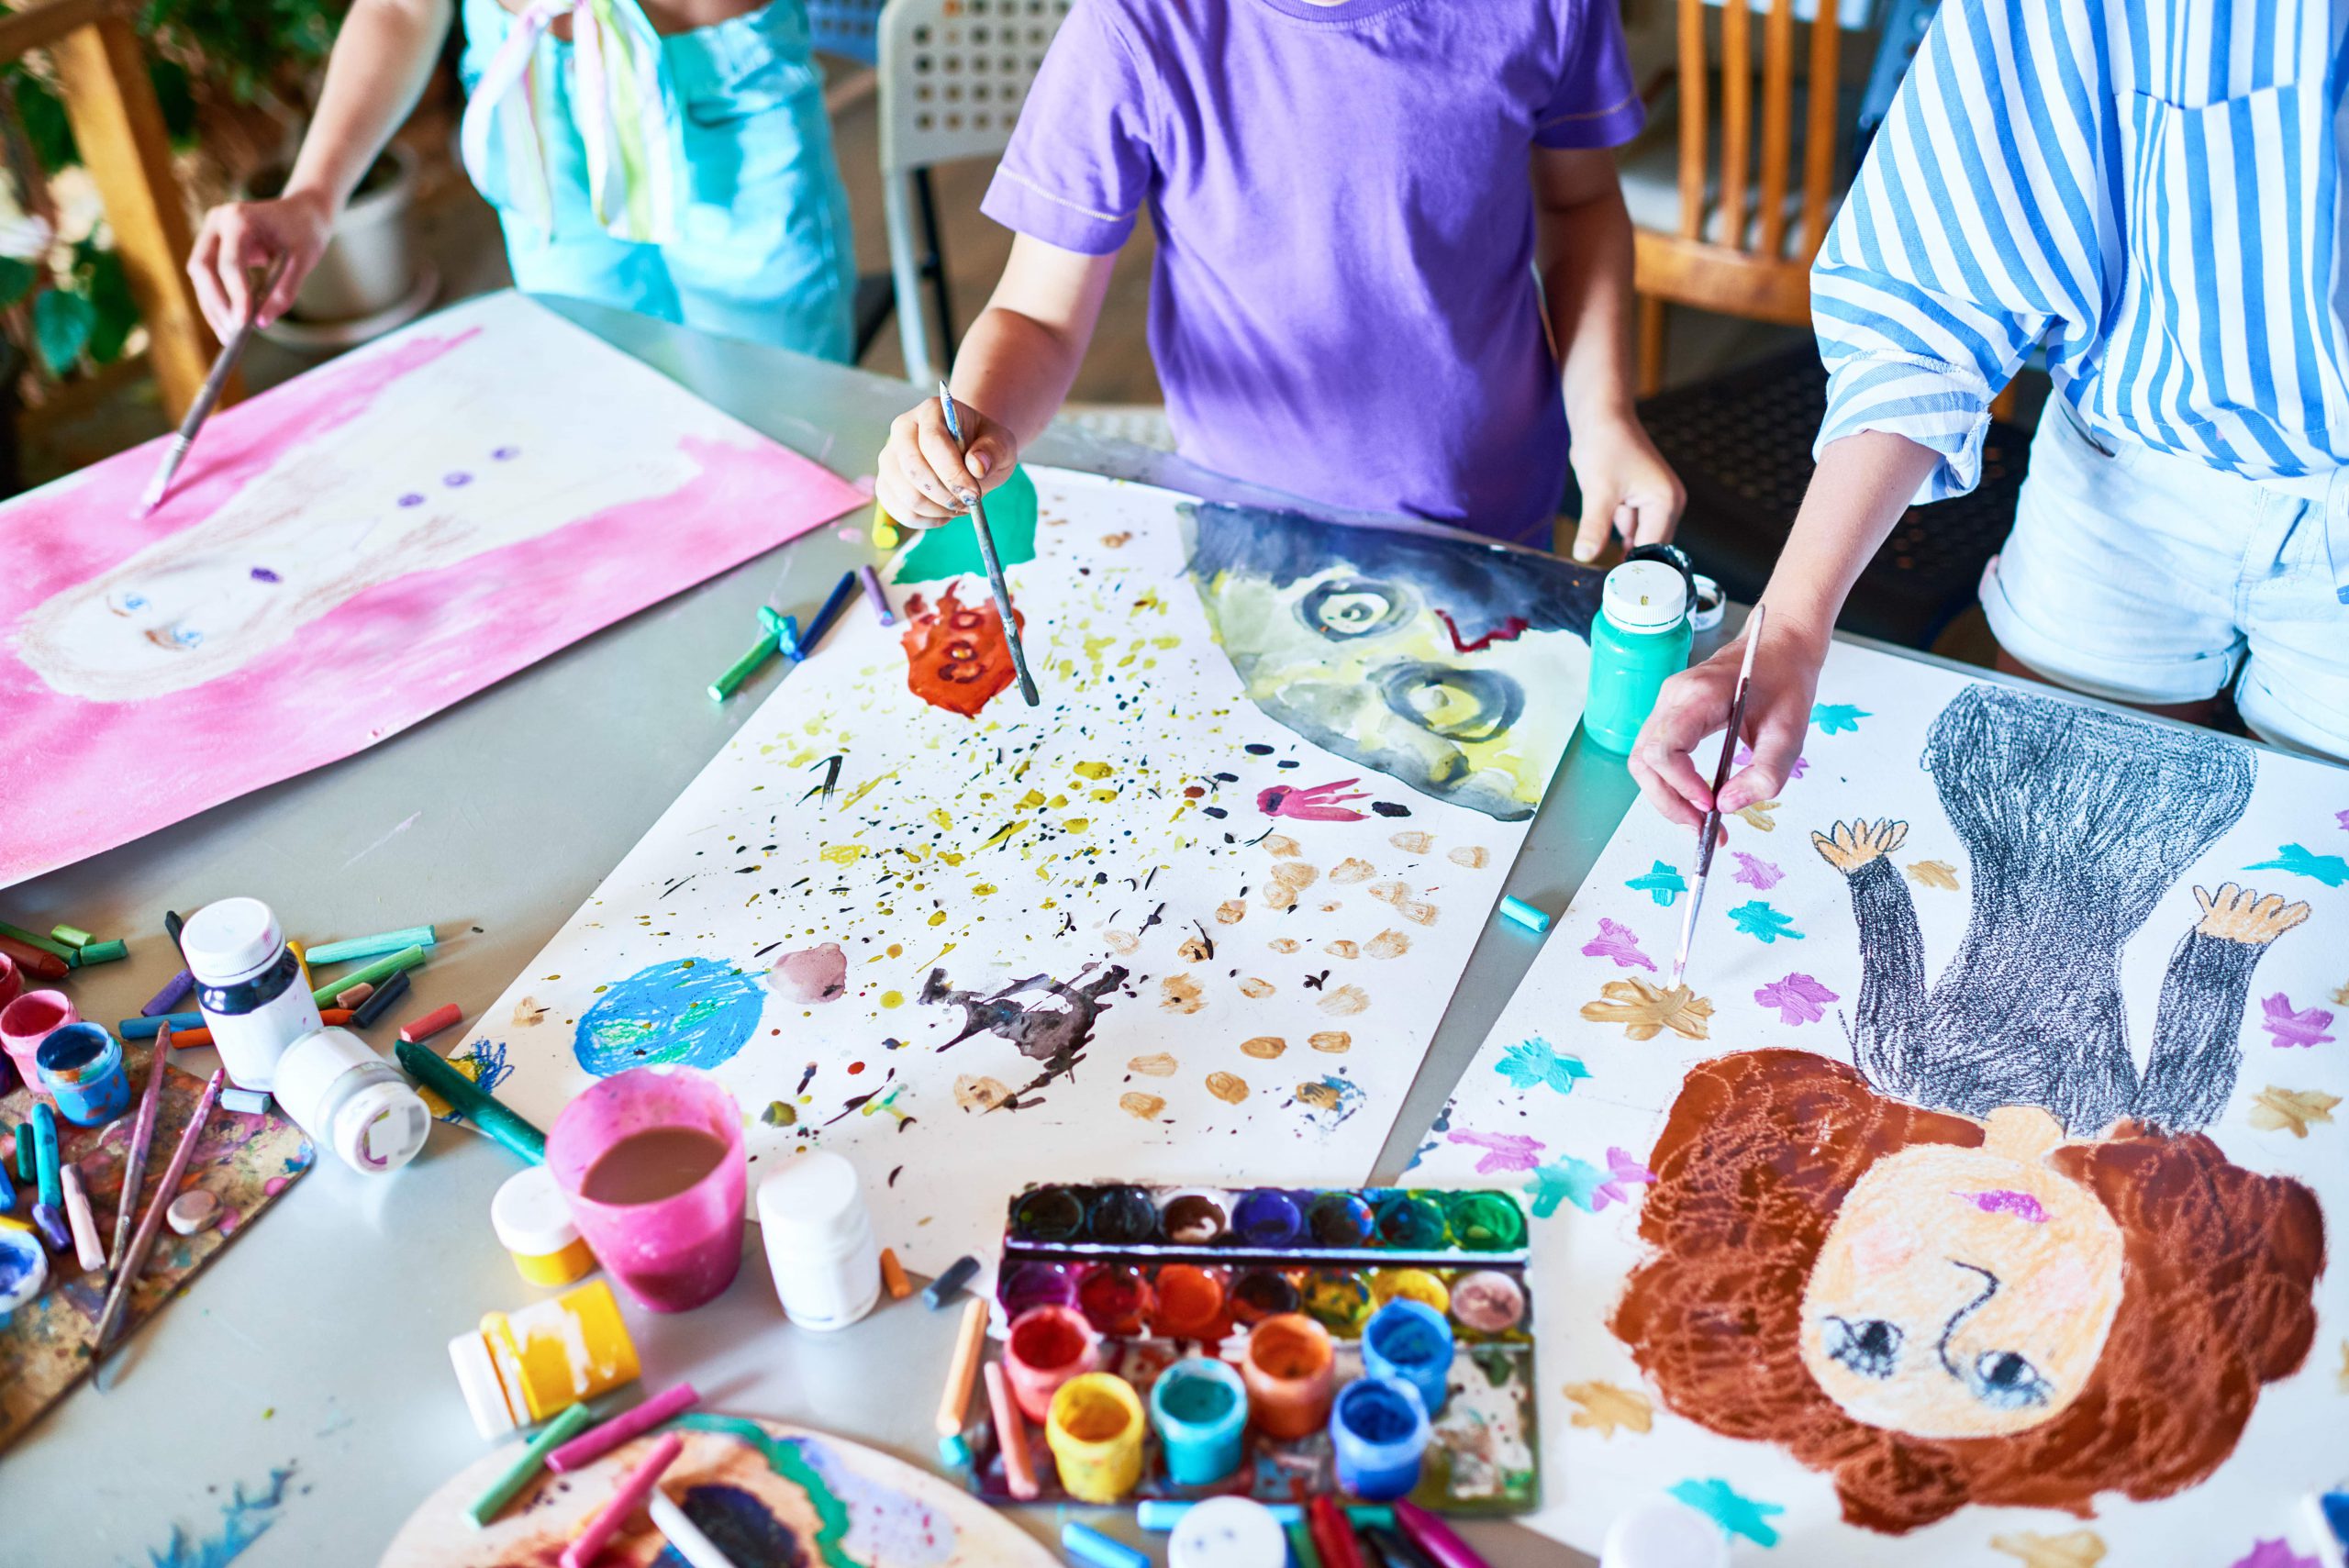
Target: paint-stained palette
(243, 1160)
(1207, 904)
(1971, 1204)
(768, 1495)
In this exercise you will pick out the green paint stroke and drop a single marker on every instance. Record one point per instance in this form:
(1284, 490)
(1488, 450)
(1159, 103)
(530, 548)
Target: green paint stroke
(953, 550)
(784, 1456)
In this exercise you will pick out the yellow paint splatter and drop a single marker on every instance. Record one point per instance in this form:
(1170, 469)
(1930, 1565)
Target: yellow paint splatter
(867, 787)
(1146, 1108)
(1257, 988)
(1320, 1095)
(1388, 944)
(938, 916)
(1412, 842)
(1335, 1042)
(1645, 1012)
(983, 889)
(1264, 1048)
(1093, 770)
(1028, 802)
(2290, 1110)
(1228, 1087)
(942, 818)
(1607, 1408)
(893, 998)
(1473, 856)
(1179, 994)
(1076, 825)
(1344, 1002)
(842, 854)
(1758, 816)
(1156, 1065)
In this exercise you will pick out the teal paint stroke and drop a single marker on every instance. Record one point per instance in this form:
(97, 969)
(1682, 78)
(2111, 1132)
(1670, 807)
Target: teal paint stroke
(1662, 883)
(1765, 924)
(1726, 1507)
(2301, 860)
(1534, 1062)
(951, 549)
(1838, 717)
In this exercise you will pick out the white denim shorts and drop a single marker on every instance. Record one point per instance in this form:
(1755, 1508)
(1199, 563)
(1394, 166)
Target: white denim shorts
(2143, 577)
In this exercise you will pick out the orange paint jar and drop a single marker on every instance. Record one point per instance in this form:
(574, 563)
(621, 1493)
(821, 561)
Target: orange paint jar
(1189, 1304)
(1291, 1375)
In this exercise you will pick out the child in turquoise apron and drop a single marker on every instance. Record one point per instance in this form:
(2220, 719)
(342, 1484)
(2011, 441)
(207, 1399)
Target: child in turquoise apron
(672, 159)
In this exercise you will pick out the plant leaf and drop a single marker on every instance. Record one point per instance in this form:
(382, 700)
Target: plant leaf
(62, 324)
(16, 280)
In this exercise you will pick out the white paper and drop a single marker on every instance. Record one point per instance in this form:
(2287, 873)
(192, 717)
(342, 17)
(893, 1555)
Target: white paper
(1573, 1107)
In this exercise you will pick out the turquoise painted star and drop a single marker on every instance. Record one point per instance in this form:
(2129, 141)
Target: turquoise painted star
(1737, 1513)
(1763, 923)
(1662, 883)
(1535, 1061)
(1838, 717)
(1568, 1181)
(2301, 860)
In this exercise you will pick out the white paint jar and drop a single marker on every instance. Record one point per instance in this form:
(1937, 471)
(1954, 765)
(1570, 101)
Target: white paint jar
(349, 1099)
(249, 987)
(819, 1238)
(1664, 1533)
(1228, 1532)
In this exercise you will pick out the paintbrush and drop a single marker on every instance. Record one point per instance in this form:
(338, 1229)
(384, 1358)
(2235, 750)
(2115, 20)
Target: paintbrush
(126, 1275)
(143, 1140)
(995, 584)
(1710, 834)
(223, 367)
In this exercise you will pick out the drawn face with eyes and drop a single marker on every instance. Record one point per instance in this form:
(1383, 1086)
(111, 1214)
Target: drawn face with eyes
(1962, 1292)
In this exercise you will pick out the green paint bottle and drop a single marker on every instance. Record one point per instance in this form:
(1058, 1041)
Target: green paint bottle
(1639, 641)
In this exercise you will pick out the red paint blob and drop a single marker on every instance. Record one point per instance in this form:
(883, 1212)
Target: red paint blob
(854, 1068)
(956, 658)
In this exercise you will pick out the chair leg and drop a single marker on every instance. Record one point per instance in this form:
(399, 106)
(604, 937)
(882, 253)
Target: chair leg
(1651, 344)
(2002, 408)
(913, 330)
(935, 263)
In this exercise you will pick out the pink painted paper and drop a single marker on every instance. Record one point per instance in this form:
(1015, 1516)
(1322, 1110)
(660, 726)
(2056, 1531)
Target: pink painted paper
(80, 775)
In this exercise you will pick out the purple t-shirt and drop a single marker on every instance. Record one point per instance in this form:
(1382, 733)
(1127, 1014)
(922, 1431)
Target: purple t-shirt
(1344, 305)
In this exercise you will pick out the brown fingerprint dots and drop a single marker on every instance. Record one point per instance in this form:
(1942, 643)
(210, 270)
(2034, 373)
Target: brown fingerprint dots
(1388, 944)
(1230, 912)
(1179, 994)
(1264, 1048)
(980, 1093)
(1194, 950)
(1321, 1096)
(1156, 1065)
(1279, 844)
(1329, 908)
(1283, 944)
(1144, 1107)
(1120, 942)
(1342, 949)
(1257, 988)
(1228, 1087)
(1413, 843)
(1335, 1042)
(1417, 912)
(1289, 880)
(1473, 856)
(1350, 870)
(1345, 1001)
(1391, 892)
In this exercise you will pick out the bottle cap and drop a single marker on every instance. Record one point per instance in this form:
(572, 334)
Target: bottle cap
(381, 1127)
(230, 940)
(814, 1200)
(1663, 1533)
(529, 1215)
(1644, 595)
(1228, 1532)
(477, 1378)
(374, 1122)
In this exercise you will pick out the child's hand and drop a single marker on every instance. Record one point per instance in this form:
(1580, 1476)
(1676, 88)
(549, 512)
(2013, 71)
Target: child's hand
(1626, 485)
(1696, 703)
(239, 239)
(922, 479)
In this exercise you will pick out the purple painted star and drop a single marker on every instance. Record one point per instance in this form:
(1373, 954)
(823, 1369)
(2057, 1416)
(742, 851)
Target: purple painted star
(2276, 1553)
(1619, 942)
(1798, 999)
(1622, 1172)
(2304, 1027)
(1756, 872)
(1745, 757)
(1503, 1151)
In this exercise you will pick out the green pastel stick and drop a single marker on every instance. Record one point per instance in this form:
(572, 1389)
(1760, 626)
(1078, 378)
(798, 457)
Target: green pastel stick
(32, 938)
(382, 969)
(375, 946)
(72, 936)
(101, 952)
(778, 631)
(527, 1465)
(468, 1098)
(1300, 1547)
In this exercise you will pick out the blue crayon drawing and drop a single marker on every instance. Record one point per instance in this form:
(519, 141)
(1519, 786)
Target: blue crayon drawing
(691, 1012)
(1532, 1063)
(1838, 717)
(1663, 883)
(243, 1520)
(2301, 860)
(1738, 1515)
(484, 1062)
(1758, 920)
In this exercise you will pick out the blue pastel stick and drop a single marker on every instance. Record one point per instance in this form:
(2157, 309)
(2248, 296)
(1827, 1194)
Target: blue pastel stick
(1089, 1545)
(52, 1187)
(376, 946)
(842, 592)
(8, 1190)
(148, 1028)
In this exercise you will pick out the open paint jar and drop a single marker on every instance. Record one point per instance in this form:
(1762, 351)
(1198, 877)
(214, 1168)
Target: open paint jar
(1411, 1342)
(1047, 1346)
(651, 1162)
(1379, 1432)
(1200, 1406)
(81, 1068)
(28, 1021)
(1289, 1372)
(24, 1270)
(1095, 1430)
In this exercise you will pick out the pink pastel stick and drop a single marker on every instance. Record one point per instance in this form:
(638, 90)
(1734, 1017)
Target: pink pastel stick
(440, 1017)
(1432, 1536)
(596, 1442)
(589, 1542)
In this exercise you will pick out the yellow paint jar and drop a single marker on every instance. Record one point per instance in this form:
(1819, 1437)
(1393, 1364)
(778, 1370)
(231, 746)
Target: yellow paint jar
(525, 1366)
(1095, 1429)
(534, 1224)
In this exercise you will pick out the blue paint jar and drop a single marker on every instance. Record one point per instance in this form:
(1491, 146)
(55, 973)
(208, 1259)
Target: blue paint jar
(1201, 1408)
(81, 1066)
(1639, 639)
(1380, 1432)
(1411, 1341)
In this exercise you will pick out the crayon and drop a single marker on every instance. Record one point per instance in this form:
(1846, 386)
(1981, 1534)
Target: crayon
(410, 956)
(356, 995)
(443, 1017)
(685, 1536)
(469, 1099)
(893, 1276)
(1332, 1536)
(1397, 1551)
(49, 945)
(101, 952)
(626, 1499)
(953, 1453)
(590, 1446)
(1434, 1538)
(148, 1025)
(955, 1403)
(8, 1190)
(1517, 909)
(874, 596)
(1163, 1514)
(72, 936)
(192, 1038)
(1011, 1436)
(87, 1249)
(375, 946)
(825, 617)
(174, 991)
(958, 1273)
(1088, 1545)
(44, 1124)
(50, 1220)
(39, 964)
(528, 1463)
(386, 997)
(777, 633)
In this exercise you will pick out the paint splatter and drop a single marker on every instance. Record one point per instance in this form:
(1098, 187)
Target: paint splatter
(2274, 1553)
(1280, 845)
(1837, 717)
(1745, 758)
(1179, 994)
(1473, 856)
(1758, 816)
(956, 657)
(810, 975)
(2302, 1027)
(1263, 1047)
(1351, 870)
(1530, 1064)
(1146, 1107)
(1417, 911)
(1567, 1181)
(2005, 1200)
(2301, 860)
(1660, 882)
(1798, 999)
(1341, 948)
(981, 1094)
(1284, 944)
(1607, 1408)
(1158, 1064)
(1048, 1021)
(484, 1062)
(1620, 943)
(1413, 842)
(1230, 912)
(1504, 1151)
(244, 1520)
(1332, 1042)
(1312, 803)
(1228, 1087)
(1645, 1011)
(1288, 879)
(2075, 1548)
(1120, 942)
(1330, 1100)
(689, 1012)
(1763, 923)
(1386, 944)
(1933, 873)
(1344, 1002)
(1756, 872)
(2290, 1110)
(779, 1113)
(530, 1013)
(1731, 1509)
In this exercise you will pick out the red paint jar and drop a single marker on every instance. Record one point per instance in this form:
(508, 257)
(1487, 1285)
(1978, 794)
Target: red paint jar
(1047, 1346)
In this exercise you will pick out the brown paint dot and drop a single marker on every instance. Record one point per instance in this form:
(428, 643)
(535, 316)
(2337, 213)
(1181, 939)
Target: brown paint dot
(1336, 1042)
(1342, 949)
(1228, 1087)
(1283, 944)
(1230, 912)
(1120, 942)
(1413, 843)
(1280, 844)
(1257, 988)
(1145, 1106)
(1352, 869)
(1345, 1002)
(1192, 791)
(1473, 856)
(1388, 944)
(1157, 1065)
(1264, 1048)
(1391, 892)
(1179, 994)
(1418, 914)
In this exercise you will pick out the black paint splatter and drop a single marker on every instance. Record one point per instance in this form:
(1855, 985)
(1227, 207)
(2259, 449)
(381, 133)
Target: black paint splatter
(1050, 1021)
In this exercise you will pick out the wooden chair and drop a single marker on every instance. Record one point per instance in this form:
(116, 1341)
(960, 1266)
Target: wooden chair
(1731, 254)
(101, 71)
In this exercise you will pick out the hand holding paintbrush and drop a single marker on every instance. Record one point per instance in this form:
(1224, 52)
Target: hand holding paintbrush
(208, 396)
(1709, 834)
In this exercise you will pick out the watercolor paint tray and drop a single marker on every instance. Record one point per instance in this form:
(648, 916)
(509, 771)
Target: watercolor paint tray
(1192, 1288)
(1343, 1224)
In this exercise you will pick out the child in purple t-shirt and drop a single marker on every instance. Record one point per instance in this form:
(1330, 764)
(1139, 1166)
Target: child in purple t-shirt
(1365, 209)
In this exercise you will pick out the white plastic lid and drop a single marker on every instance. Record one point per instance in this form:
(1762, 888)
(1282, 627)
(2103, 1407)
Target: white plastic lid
(230, 940)
(529, 1215)
(485, 1395)
(1663, 1533)
(814, 1200)
(1228, 1532)
(381, 1127)
(1644, 595)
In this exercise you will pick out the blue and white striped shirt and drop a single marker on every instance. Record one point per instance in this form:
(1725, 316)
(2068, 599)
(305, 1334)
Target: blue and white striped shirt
(2153, 188)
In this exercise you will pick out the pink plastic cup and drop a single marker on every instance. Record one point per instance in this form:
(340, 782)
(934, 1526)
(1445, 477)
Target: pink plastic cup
(676, 1252)
(26, 1022)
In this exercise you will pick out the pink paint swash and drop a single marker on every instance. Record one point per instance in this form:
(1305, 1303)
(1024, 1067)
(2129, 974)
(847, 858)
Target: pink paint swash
(84, 775)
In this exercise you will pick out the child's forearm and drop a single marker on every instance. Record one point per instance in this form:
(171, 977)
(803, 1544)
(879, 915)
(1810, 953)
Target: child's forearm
(1021, 356)
(382, 59)
(1863, 485)
(1585, 254)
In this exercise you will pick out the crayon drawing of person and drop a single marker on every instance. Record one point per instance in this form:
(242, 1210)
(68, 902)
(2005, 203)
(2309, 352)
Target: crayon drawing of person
(1994, 1262)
